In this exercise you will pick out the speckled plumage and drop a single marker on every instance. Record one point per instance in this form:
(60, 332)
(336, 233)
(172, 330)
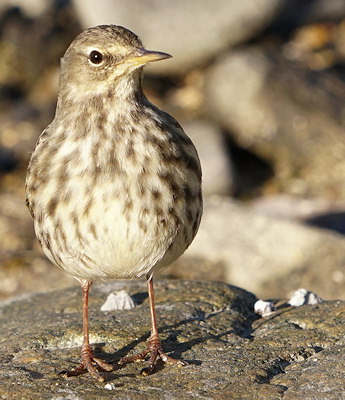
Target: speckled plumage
(114, 184)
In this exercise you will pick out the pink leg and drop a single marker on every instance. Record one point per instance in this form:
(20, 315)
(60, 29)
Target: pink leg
(154, 347)
(87, 358)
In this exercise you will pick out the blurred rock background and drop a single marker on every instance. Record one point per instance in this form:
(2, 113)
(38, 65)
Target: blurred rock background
(257, 84)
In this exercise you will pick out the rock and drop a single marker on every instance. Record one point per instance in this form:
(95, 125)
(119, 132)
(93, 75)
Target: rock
(315, 379)
(319, 212)
(267, 255)
(31, 8)
(318, 376)
(217, 169)
(211, 325)
(284, 113)
(297, 12)
(34, 35)
(184, 30)
(295, 207)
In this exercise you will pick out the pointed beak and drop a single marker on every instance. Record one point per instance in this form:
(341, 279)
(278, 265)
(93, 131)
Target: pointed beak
(144, 56)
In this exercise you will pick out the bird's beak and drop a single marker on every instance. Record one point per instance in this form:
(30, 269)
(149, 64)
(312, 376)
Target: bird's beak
(143, 56)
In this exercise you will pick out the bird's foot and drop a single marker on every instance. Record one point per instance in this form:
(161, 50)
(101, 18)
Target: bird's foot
(154, 349)
(90, 363)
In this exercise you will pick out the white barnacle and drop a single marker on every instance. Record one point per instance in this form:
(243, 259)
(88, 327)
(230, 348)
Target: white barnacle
(264, 308)
(120, 300)
(303, 296)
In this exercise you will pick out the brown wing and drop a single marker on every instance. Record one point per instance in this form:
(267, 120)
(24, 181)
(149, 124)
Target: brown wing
(43, 137)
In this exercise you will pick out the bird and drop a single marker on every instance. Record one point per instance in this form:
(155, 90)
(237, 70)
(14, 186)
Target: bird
(114, 183)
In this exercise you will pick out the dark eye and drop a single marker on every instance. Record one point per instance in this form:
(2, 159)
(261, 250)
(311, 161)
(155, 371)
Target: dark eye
(95, 57)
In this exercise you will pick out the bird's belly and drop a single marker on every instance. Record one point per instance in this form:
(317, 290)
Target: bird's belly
(108, 236)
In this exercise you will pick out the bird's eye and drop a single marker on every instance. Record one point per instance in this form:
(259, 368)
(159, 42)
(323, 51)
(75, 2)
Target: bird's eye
(95, 57)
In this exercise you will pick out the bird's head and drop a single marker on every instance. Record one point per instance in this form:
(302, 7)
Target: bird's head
(104, 57)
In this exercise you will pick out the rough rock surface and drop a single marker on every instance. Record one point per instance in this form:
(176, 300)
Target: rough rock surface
(232, 354)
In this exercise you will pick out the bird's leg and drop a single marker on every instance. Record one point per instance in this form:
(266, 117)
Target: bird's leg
(154, 347)
(87, 357)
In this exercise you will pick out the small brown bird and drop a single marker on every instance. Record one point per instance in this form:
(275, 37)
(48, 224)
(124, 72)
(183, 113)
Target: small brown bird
(114, 184)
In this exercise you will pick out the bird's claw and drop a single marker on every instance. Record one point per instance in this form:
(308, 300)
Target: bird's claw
(91, 364)
(156, 354)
